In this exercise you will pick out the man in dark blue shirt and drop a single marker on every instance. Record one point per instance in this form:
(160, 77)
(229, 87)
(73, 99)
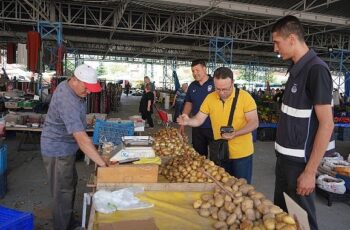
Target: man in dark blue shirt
(196, 93)
(304, 132)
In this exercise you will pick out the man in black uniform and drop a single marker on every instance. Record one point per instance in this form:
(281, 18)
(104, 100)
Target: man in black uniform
(306, 121)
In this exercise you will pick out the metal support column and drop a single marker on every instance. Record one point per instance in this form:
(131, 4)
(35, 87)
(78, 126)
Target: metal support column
(220, 52)
(339, 66)
(51, 29)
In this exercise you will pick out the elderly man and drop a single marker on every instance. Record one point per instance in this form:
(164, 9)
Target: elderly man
(63, 134)
(217, 106)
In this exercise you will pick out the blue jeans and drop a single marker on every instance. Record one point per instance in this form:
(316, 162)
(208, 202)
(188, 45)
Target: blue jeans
(240, 168)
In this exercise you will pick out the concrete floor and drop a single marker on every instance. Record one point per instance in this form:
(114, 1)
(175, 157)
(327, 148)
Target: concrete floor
(28, 189)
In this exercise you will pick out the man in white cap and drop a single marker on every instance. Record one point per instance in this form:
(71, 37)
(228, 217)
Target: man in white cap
(63, 134)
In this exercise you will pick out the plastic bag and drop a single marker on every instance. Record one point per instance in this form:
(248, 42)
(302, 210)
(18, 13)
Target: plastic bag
(331, 184)
(123, 199)
(331, 164)
(333, 156)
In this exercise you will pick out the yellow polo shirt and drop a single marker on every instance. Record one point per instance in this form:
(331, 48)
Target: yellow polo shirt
(219, 111)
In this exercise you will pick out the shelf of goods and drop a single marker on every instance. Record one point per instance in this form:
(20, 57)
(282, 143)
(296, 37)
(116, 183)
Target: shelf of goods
(184, 195)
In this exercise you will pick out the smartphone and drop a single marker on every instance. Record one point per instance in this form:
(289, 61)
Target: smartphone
(226, 129)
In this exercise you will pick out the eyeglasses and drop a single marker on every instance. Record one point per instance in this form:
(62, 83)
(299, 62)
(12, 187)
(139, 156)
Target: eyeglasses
(225, 90)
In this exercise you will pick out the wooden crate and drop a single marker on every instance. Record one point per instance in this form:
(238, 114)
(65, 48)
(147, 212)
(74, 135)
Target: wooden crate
(128, 174)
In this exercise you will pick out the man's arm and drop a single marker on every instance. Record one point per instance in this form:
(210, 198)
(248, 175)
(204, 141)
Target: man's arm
(187, 108)
(252, 123)
(149, 104)
(306, 181)
(174, 99)
(86, 145)
(195, 121)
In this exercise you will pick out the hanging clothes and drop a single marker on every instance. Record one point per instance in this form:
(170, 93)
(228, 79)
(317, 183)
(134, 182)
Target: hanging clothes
(11, 53)
(59, 61)
(22, 54)
(33, 49)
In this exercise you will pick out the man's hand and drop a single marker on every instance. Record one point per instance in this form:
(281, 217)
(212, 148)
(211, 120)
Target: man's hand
(228, 136)
(306, 183)
(183, 119)
(182, 130)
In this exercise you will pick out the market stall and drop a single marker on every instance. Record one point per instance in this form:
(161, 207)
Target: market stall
(190, 192)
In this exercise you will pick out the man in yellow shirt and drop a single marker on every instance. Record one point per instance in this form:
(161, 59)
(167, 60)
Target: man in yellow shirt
(217, 105)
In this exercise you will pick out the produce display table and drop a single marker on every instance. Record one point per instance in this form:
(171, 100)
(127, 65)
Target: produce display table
(30, 138)
(172, 204)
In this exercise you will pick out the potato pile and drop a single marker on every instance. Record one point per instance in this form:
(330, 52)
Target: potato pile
(168, 142)
(242, 208)
(185, 168)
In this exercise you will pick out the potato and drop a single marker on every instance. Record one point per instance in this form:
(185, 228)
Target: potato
(228, 188)
(207, 197)
(197, 204)
(229, 206)
(213, 209)
(222, 215)
(238, 194)
(215, 216)
(231, 219)
(238, 212)
(257, 195)
(211, 202)
(289, 227)
(227, 198)
(288, 219)
(204, 212)
(205, 205)
(247, 204)
(257, 202)
(234, 188)
(269, 216)
(267, 202)
(250, 214)
(263, 209)
(224, 179)
(246, 225)
(246, 188)
(270, 223)
(234, 227)
(258, 215)
(275, 209)
(238, 200)
(280, 225)
(279, 216)
(220, 224)
(231, 181)
(219, 201)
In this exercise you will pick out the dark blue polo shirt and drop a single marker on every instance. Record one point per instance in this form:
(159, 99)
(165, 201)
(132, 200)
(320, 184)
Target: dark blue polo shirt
(196, 94)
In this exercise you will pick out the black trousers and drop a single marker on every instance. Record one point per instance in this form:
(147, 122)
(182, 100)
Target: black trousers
(287, 173)
(201, 138)
(148, 117)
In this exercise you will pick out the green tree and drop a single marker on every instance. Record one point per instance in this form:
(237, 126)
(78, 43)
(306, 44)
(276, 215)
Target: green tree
(101, 70)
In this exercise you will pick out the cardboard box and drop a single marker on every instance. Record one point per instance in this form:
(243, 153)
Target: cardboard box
(128, 173)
